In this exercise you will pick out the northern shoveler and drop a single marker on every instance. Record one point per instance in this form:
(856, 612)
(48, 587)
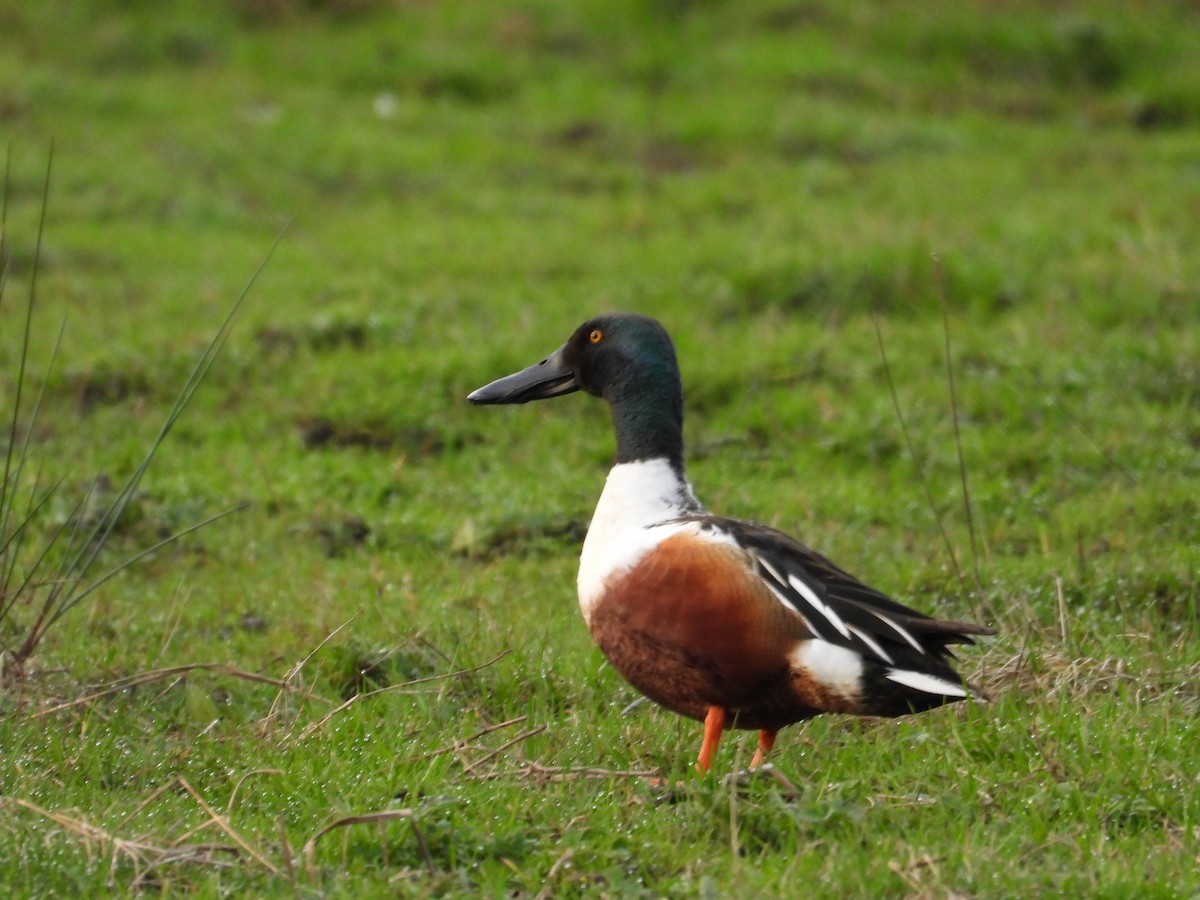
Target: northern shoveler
(727, 622)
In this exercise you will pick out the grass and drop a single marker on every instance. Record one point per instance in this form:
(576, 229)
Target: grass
(390, 626)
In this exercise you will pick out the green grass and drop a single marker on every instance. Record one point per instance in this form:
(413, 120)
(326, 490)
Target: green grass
(465, 184)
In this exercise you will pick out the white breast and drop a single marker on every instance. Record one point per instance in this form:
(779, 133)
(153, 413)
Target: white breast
(635, 512)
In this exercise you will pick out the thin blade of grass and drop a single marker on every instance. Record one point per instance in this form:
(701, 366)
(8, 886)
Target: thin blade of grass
(64, 577)
(561, 863)
(54, 609)
(9, 595)
(35, 505)
(81, 554)
(4, 210)
(4, 485)
(289, 856)
(237, 787)
(912, 452)
(76, 598)
(962, 461)
(13, 476)
(277, 703)
(9, 502)
(195, 378)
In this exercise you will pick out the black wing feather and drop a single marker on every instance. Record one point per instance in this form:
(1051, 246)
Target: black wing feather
(840, 609)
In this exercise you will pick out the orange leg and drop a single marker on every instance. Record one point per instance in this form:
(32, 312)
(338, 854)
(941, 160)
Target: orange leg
(766, 740)
(714, 724)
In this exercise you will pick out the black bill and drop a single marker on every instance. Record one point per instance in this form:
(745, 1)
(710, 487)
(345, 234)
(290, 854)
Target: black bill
(549, 378)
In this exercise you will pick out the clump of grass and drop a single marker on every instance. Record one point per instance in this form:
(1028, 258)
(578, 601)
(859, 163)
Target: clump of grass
(47, 569)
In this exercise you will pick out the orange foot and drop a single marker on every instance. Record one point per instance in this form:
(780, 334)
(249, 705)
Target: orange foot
(714, 724)
(766, 740)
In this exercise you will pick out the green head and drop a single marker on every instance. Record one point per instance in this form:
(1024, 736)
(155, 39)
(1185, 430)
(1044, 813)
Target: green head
(626, 358)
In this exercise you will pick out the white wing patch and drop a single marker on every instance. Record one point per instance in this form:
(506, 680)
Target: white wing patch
(926, 683)
(837, 668)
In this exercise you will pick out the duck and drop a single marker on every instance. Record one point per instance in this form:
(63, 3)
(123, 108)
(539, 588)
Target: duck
(728, 622)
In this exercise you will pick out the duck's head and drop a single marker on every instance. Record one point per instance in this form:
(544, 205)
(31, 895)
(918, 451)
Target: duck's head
(626, 358)
(613, 356)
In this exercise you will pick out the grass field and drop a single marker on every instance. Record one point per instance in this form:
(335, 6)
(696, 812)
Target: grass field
(388, 630)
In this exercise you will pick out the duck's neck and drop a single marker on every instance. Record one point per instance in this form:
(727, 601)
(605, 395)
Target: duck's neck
(648, 420)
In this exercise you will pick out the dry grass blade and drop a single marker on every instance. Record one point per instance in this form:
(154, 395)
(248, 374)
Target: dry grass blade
(288, 682)
(220, 822)
(384, 815)
(523, 736)
(154, 795)
(144, 678)
(547, 890)
(79, 827)
(237, 787)
(146, 856)
(1051, 676)
(911, 873)
(289, 858)
(317, 649)
(228, 806)
(1064, 630)
(318, 725)
(195, 854)
(464, 743)
(548, 774)
(95, 839)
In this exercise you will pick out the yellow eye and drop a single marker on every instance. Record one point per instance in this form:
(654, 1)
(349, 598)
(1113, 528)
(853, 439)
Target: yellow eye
(596, 335)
